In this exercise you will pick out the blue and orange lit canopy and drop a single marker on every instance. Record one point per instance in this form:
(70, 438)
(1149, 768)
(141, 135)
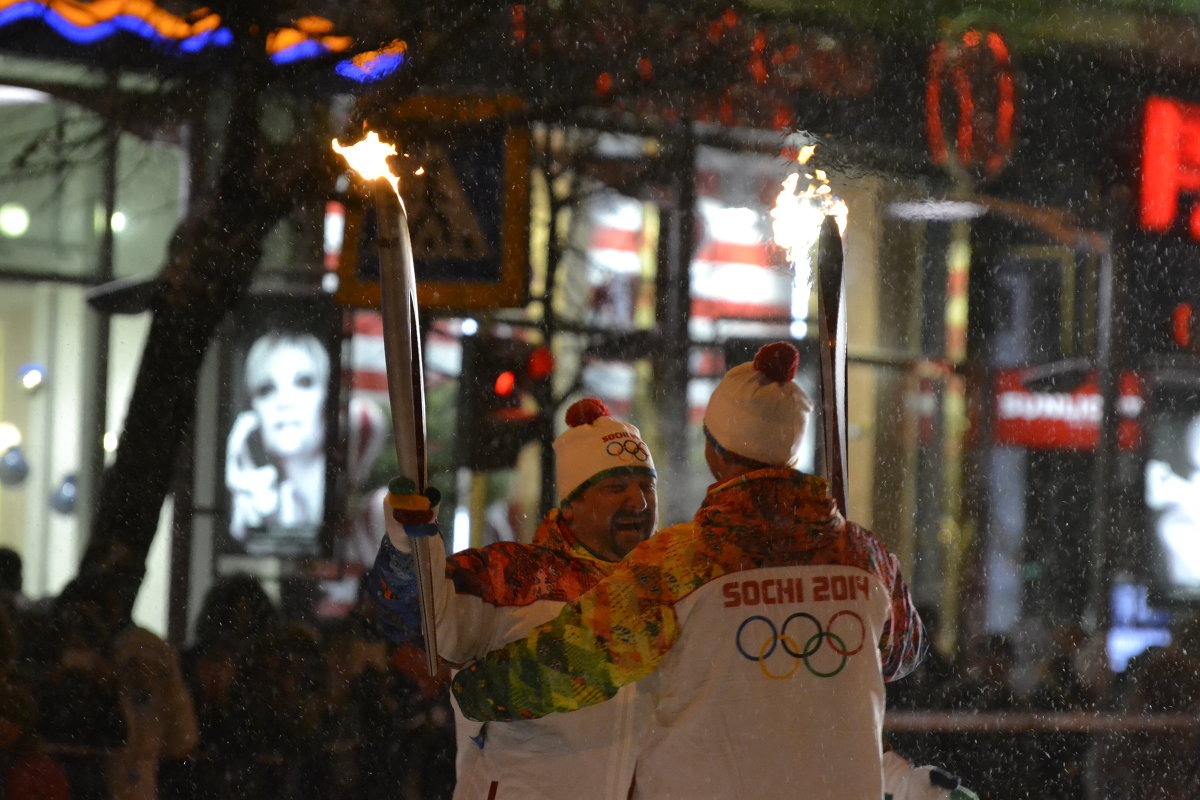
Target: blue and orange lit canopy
(85, 23)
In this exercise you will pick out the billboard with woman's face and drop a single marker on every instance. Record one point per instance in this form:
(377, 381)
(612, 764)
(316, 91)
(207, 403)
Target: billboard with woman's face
(281, 379)
(1172, 485)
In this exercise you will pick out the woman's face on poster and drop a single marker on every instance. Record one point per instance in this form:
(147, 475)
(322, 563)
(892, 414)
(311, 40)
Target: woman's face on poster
(290, 403)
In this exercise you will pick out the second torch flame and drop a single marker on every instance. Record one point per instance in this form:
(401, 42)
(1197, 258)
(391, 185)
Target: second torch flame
(796, 217)
(801, 219)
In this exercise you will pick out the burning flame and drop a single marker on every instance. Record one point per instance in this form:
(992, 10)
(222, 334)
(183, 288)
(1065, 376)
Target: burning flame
(796, 225)
(369, 159)
(796, 217)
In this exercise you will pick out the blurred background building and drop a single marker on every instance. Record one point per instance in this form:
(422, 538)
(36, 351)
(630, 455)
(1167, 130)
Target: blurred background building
(1016, 195)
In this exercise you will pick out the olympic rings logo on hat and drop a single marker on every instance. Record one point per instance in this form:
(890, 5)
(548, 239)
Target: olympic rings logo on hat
(813, 644)
(628, 449)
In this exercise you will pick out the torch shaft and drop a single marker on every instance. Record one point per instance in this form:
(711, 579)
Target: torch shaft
(831, 315)
(406, 379)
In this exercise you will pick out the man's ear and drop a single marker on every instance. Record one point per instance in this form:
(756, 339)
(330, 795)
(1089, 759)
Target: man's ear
(567, 511)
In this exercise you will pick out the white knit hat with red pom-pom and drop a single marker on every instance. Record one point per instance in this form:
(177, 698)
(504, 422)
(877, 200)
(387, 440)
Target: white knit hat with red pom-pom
(596, 446)
(758, 411)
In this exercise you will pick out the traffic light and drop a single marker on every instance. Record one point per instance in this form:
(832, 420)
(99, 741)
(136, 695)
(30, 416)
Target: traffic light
(1157, 298)
(1183, 327)
(503, 391)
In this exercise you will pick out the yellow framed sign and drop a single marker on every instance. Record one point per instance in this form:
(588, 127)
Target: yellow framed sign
(464, 177)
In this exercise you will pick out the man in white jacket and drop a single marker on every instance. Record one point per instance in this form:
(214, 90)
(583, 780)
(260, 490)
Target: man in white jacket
(489, 596)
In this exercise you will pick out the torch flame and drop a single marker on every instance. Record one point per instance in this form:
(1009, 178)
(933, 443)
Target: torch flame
(369, 159)
(796, 217)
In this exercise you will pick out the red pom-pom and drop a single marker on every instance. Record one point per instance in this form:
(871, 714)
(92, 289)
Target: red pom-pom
(778, 361)
(586, 411)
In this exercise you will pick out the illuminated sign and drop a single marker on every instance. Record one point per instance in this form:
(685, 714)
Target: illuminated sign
(1170, 481)
(466, 188)
(970, 101)
(1062, 420)
(1170, 163)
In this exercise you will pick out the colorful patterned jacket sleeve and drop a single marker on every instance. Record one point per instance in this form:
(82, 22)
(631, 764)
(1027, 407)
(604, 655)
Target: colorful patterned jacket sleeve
(616, 634)
(485, 596)
(903, 643)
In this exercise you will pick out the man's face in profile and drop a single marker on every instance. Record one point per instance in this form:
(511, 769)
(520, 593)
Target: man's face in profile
(612, 516)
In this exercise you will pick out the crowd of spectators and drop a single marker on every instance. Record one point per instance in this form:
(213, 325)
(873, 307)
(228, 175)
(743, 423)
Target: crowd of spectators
(259, 704)
(1147, 749)
(266, 704)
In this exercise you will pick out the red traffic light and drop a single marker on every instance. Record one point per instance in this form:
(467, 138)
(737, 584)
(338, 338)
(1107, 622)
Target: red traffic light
(1181, 324)
(540, 363)
(505, 383)
(498, 411)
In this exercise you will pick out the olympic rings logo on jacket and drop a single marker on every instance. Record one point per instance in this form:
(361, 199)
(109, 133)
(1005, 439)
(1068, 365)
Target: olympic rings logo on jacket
(788, 641)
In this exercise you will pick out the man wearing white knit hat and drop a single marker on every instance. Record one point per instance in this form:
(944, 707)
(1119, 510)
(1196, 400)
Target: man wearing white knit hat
(606, 485)
(768, 625)
(606, 481)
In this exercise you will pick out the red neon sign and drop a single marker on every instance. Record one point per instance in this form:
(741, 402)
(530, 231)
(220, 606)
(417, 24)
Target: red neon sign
(1170, 163)
(978, 70)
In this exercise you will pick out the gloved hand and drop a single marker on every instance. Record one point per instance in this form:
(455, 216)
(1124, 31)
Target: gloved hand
(409, 513)
(393, 581)
(951, 783)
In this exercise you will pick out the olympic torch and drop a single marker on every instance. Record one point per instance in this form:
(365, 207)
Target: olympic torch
(402, 345)
(792, 222)
(831, 322)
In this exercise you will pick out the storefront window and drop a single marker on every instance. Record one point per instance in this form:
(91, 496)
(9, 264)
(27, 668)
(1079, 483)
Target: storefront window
(52, 216)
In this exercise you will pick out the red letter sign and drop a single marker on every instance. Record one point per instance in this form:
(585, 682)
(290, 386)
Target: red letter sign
(1170, 163)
